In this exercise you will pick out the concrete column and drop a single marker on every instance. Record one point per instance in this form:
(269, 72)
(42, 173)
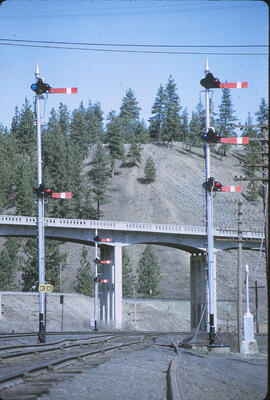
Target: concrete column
(0, 306)
(118, 287)
(104, 273)
(111, 293)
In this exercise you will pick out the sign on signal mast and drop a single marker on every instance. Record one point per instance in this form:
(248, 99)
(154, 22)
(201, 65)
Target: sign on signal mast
(45, 288)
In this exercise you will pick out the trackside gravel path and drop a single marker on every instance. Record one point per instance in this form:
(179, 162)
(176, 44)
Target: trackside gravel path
(142, 374)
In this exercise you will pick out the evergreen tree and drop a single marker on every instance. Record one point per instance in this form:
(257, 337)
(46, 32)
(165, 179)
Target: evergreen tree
(197, 125)
(129, 113)
(9, 262)
(115, 139)
(140, 132)
(23, 129)
(149, 275)
(226, 117)
(134, 152)
(157, 120)
(149, 170)
(53, 259)
(184, 125)
(94, 124)
(87, 209)
(24, 200)
(63, 118)
(78, 133)
(252, 157)
(84, 275)
(254, 189)
(127, 274)
(8, 166)
(171, 126)
(263, 113)
(99, 177)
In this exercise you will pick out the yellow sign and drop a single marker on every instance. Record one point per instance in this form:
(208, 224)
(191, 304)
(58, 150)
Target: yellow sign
(45, 288)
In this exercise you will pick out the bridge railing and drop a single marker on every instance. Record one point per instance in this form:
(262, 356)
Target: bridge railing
(126, 226)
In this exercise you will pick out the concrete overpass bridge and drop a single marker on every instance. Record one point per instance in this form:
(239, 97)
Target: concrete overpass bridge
(191, 239)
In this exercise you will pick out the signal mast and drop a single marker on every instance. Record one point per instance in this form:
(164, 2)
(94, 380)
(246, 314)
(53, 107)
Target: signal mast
(40, 87)
(210, 186)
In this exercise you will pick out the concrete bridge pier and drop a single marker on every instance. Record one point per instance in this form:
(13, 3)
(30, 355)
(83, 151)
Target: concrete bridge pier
(199, 292)
(111, 292)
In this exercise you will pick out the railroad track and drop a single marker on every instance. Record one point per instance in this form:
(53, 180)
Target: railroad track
(27, 371)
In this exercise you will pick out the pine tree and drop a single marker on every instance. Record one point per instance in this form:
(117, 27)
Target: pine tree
(184, 125)
(8, 166)
(63, 118)
(78, 132)
(24, 200)
(149, 275)
(253, 188)
(149, 170)
(115, 139)
(9, 262)
(94, 124)
(99, 176)
(197, 125)
(84, 275)
(263, 113)
(171, 126)
(157, 120)
(134, 152)
(127, 274)
(226, 117)
(23, 129)
(53, 259)
(129, 113)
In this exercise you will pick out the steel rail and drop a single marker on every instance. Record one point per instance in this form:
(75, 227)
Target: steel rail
(174, 391)
(7, 379)
(41, 348)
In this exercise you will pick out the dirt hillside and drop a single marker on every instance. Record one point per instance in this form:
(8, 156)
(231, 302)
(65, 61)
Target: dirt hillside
(177, 197)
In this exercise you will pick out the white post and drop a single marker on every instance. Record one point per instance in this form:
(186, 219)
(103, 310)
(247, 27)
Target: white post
(249, 344)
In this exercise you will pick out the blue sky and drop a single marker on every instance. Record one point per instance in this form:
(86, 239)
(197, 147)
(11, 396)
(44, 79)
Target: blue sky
(105, 76)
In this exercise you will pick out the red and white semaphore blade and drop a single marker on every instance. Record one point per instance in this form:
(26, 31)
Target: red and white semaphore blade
(62, 195)
(236, 188)
(69, 90)
(234, 85)
(235, 140)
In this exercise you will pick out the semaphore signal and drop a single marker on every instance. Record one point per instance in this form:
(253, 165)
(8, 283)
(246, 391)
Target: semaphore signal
(40, 88)
(213, 137)
(210, 82)
(210, 186)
